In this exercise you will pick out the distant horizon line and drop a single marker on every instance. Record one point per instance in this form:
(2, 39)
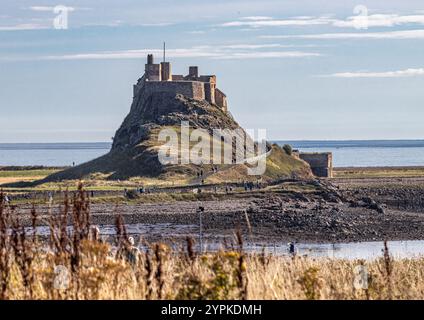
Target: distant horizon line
(270, 140)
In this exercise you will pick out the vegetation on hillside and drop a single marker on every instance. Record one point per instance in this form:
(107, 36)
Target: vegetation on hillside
(135, 147)
(9, 176)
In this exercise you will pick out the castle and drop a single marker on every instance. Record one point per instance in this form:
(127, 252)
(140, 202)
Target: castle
(158, 77)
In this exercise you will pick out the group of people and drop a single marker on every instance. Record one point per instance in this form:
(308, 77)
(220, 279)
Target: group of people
(228, 189)
(140, 190)
(248, 185)
(200, 173)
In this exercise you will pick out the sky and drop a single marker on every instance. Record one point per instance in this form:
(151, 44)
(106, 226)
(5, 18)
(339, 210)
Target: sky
(301, 69)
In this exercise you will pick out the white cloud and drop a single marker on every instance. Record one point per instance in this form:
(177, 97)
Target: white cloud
(41, 8)
(51, 9)
(22, 27)
(396, 35)
(158, 24)
(303, 17)
(134, 54)
(256, 18)
(298, 21)
(373, 20)
(379, 20)
(253, 46)
(216, 52)
(268, 54)
(388, 74)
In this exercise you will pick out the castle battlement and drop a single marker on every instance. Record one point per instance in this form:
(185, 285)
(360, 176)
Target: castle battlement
(158, 77)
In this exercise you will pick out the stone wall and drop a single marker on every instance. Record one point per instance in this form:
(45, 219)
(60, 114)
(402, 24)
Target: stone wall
(321, 163)
(177, 77)
(153, 72)
(191, 89)
(198, 90)
(221, 100)
(211, 79)
(209, 92)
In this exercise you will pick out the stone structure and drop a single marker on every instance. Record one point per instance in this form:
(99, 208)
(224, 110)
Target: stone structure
(158, 77)
(321, 163)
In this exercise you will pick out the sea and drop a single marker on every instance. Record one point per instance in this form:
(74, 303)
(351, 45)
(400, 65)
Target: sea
(366, 153)
(358, 153)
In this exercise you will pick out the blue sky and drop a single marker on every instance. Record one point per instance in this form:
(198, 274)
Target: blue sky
(300, 69)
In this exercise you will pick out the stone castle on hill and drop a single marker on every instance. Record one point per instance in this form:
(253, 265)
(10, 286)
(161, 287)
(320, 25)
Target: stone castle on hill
(158, 77)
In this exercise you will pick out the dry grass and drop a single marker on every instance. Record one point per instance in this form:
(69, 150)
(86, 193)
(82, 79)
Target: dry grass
(11, 176)
(379, 172)
(76, 264)
(4, 180)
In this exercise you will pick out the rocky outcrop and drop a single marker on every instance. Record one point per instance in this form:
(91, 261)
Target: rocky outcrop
(135, 147)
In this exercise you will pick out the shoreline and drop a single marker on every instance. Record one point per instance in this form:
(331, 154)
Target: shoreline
(338, 210)
(327, 214)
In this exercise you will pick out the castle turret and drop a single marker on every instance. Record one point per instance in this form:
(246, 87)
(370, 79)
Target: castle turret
(193, 71)
(166, 71)
(152, 71)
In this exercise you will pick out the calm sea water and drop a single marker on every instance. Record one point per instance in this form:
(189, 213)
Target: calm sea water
(345, 153)
(367, 153)
(50, 154)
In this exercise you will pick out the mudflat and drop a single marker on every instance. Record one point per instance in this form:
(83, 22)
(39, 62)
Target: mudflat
(336, 210)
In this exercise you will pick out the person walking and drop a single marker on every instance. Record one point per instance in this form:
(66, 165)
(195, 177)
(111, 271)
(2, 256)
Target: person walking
(292, 249)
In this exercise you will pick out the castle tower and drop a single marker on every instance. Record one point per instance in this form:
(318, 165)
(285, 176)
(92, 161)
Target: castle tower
(166, 67)
(193, 71)
(152, 71)
(209, 83)
(166, 71)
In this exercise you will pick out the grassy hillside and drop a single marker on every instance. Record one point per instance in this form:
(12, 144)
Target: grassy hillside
(134, 154)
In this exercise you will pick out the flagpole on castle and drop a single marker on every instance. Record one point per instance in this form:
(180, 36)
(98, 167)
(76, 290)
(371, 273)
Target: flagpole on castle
(164, 51)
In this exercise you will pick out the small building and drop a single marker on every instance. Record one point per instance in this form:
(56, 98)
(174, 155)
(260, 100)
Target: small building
(321, 163)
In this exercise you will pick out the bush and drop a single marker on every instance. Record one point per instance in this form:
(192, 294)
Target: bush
(288, 149)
